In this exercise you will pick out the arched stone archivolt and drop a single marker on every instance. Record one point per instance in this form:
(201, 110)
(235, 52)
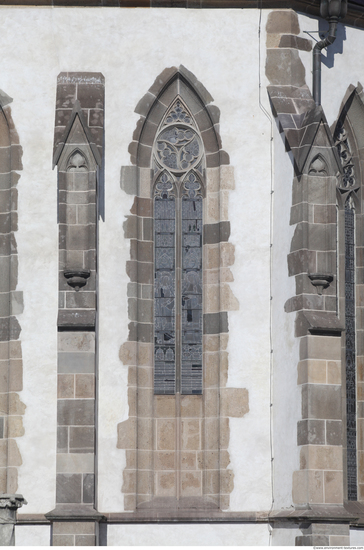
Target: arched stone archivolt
(349, 140)
(177, 443)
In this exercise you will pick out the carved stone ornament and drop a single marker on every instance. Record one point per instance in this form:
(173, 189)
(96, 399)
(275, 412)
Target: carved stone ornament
(348, 179)
(320, 281)
(77, 278)
(318, 167)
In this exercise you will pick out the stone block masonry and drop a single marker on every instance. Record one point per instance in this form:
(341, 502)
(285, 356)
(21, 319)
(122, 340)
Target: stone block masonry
(78, 153)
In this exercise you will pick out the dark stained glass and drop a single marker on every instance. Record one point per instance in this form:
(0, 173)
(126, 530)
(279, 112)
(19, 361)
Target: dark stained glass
(350, 351)
(164, 289)
(191, 371)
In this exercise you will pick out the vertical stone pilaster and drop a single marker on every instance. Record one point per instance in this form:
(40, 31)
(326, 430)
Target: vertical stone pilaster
(78, 155)
(9, 505)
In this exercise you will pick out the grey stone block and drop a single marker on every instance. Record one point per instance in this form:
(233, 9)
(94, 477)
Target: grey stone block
(142, 251)
(77, 318)
(5, 180)
(82, 439)
(85, 540)
(9, 329)
(68, 488)
(76, 362)
(213, 160)
(214, 323)
(80, 299)
(132, 290)
(88, 488)
(321, 401)
(334, 434)
(4, 273)
(301, 261)
(311, 432)
(75, 412)
(144, 155)
(148, 229)
(211, 141)
(147, 292)
(130, 227)
(145, 103)
(145, 332)
(62, 439)
(283, 22)
(216, 232)
(63, 540)
(291, 41)
(1, 427)
(284, 67)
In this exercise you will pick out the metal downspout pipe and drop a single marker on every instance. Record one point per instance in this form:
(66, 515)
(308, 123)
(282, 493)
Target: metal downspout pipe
(332, 10)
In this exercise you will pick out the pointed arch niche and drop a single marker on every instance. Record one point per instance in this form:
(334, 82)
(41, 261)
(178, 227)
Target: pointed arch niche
(349, 140)
(177, 435)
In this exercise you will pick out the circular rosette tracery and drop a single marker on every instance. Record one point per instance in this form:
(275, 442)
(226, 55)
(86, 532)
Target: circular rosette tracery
(178, 148)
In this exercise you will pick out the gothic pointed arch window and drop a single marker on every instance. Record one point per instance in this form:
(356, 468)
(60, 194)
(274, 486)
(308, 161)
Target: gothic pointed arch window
(178, 167)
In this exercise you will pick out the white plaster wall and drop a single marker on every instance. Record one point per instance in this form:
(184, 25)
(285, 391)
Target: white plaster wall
(127, 48)
(188, 535)
(32, 535)
(286, 409)
(357, 537)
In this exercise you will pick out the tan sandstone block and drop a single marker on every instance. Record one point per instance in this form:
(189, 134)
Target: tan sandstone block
(212, 256)
(212, 208)
(15, 405)
(145, 460)
(132, 400)
(145, 433)
(234, 402)
(145, 354)
(12, 480)
(188, 460)
(360, 368)
(165, 484)
(145, 402)
(211, 276)
(361, 467)
(144, 183)
(224, 367)
(3, 479)
(14, 456)
(227, 251)
(227, 180)
(126, 434)
(191, 483)
(273, 40)
(211, 403)
(320, 457)
(211, 370)
(129, 503)
(211, 342)
(145, 481)
(164, 460)
(4, 403)
(213, 460)
(15, 426)
(191, 406)
(165, 406)
(65, 386)
(129, 481)
(85, 385)
(320, 347)
(145, 377)
(166, 434)
(128, 353)
(228, 302)
(212, 482)
(226, 481)
(308, 486)
(334, 372)
(333, 487)
(211, 299)
(131, 459)
(132, 376)
(191, 434)
(213, 180)
(3, 453)
(311, 371)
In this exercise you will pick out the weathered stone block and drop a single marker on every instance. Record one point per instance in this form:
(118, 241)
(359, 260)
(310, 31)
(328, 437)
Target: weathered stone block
(314, 457)
(321, 401)
(65, 386)
(76, 362)
(311, 432)
(308, 487)
(68, 489)
(81, 439)
(85, 386)
(333, 486)
(234, 402)
(75, 412)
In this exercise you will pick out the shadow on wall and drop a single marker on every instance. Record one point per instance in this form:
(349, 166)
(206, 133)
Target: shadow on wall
(337, 47)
